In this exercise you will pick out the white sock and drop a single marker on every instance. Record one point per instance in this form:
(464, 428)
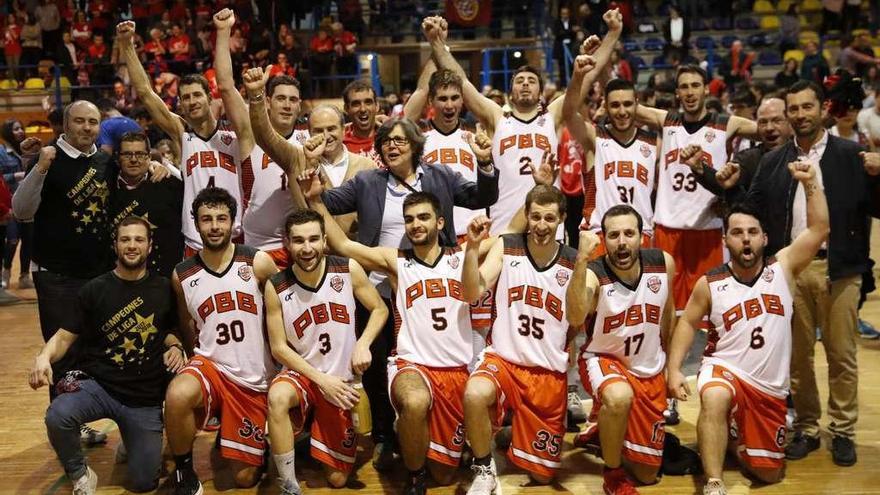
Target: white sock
(284, 463)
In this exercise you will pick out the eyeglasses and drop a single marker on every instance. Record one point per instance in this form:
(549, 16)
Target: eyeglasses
(397, 141)
(131, 155)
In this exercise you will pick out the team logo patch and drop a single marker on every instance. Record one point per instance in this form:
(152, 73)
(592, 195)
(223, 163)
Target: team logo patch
(245, 273)
(645, 150)
(710, 136)
(768, 275)
(654, 283)
(453, 262)
(541, 120)
(226, 138)
(336, 283)
(492, 368)
(562, 277)
(727, 375)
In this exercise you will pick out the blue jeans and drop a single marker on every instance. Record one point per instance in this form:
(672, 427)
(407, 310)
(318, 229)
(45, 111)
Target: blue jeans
(141, 429)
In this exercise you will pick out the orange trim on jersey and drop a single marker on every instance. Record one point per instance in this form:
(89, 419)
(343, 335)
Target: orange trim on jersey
(514, 251)
(280, 256)
(189, 272)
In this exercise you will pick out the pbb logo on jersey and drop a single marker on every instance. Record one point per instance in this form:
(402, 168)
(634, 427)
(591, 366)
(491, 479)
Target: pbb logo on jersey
(562, 277)
(768, 275)
(226, 139)
(336, 283)
(710, 136)
(453, 262)
(645, 150)
(654, 284)
(245, 273)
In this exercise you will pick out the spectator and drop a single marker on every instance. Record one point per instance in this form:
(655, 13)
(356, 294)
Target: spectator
(564, 40)
(113, 126)
(31, 41)
(81, 31)
(179, 48)
(321, 54)
(237, 45)
(261, 44)
(49, 17)
(620, 68)
(281, 66)
(6, 298)
(145, 121)
(344, 44)
(831, 16)
(737, 67)
(789, 28)
(788, 75)
(292, 49)
(12, 44)
(351, 15)
(12, 170)
(814, 66)
(155, 49)
(168, 152)
(857, 55)
(123, 101)
(179, 13)
(69, 55)
(869, 122)
(98, 60)
(165, 23)
(677, 32)
(203, 15)
(99, 12)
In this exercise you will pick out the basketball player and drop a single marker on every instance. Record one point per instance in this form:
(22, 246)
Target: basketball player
(266, 200)
(622, 362)
(685, 223)
(626, 154)
(310, 317)
(518, 139)
(209, 151)
(744, 377)
(524, 367)
(220, 305)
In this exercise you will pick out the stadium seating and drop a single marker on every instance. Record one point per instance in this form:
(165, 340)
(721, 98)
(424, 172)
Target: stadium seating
(763, 7)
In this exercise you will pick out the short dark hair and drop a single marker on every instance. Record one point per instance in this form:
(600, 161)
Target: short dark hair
(803, 85)
(619, 211)
(743, 97)
(133, 220)
(691, 69)
(742, 209)
(443, 78)
(280, 80)
(214, 196)
(302, 216)
(354, 87)
(413, 135)
(617, 85)
(533, 70)
(135, 137)
(544, 195)
(105, 105)
(140, 113)
(196, 79)
(421, 197)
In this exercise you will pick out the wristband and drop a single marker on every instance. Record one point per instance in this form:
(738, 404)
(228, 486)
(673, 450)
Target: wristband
(176, 345)
(488, 164)
(256, 99)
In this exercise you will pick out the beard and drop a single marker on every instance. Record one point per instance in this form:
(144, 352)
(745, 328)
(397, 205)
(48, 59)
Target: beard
(748, 257)
(308, 266)
(429, 239)
(136, 264)
(623, 259)
(217, 245)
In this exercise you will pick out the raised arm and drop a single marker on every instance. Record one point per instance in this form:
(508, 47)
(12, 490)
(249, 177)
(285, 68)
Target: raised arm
(651, 117)
(333, 388)
(683, 338)
(287, 155)
(483, 193)
(169, 123)
(739, 126)
(797, 255)
(419, 98)
(580, 297)
(487, 111)
(369, 297)
(476, 278)
(583, 76)
(27, 198)
(236, 109)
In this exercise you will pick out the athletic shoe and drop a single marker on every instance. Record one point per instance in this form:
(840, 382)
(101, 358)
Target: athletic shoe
(289, 487)
(7, 299)
(121, 454)
(617, 482)
(714, 487)
(91, 436)
(485, 479)
(867, 331)
(187, 483)
(415, 484)
(86, 484)
(504, 437)
(843, 451)
(383, 456)
(800, 446)
(576, 414)
(25, 282)
(588, 439)
(671, 413)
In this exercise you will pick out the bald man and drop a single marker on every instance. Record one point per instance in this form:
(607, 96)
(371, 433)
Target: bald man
(65, 194)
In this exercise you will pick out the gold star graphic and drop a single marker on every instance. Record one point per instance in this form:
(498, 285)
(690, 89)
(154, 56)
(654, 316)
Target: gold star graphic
(93, 207)
(102, 192)
(117, 358)
(86, 219)
(145, 326)
(128, 345)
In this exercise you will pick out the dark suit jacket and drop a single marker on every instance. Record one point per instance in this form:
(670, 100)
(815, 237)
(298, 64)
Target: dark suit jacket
(848, 189)
(748, 164)
(365, 194)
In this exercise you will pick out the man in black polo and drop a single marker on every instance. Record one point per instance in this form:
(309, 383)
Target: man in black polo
(160, 203)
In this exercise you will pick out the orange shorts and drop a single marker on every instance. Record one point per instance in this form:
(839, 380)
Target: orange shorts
(757, 418)
(334, 441)
(537, 398)
(280, 256)
(645, 428)
(482, 311)
(446, 418)
(695, 252)
(242, 412)
(647, 242)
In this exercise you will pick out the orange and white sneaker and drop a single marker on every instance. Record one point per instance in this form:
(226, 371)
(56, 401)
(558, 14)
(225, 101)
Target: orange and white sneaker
(588, 439)
(617, 482)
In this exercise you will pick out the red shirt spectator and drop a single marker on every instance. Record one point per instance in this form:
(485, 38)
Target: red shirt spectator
(5, 200)
(81, 30)
(571, 163)
(357, 144)
(321, 43)
(344, 42)
(282, 67)
(155, 47)
(98, 49)
(12, 38)
(99, 11)
(179, 44)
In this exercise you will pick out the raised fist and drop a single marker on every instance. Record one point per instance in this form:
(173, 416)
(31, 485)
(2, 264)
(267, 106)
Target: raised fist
(480, 144)
(314, 147)
(255, 80)
(125, 31)
(802, 171)
(47, 156)
(587, 243)
(871, 162)
(224, 19)
(590, 45)
(728, 176)
(691, 156)
(478, 229)
(584, 64)
(613, 19)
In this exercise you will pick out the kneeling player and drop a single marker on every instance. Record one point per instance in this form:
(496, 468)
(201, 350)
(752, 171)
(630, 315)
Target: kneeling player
(621, 363)
(744, 377)
(310, 305)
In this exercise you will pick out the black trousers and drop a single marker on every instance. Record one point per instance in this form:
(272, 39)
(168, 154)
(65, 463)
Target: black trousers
(376, 377)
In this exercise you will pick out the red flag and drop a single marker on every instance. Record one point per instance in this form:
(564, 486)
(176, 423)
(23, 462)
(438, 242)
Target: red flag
(469, 13)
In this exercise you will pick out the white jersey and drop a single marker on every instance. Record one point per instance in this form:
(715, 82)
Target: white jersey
(516, 145)
(530, 327)
(752, 327)
(431, 318)
(626, 324)
(452, 150)
(682, 203)
(319, 322)
(624, 174)
(266, 192)
(227, 309)
(211, 162)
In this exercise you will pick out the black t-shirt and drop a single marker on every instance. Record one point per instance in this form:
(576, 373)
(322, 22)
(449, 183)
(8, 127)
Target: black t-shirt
(70, 226)
(159, 203)
(122, 338)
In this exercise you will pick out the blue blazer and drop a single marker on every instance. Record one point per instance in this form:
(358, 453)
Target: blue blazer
(365, 194)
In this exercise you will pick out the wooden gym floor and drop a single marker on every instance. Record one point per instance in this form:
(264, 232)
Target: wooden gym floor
(28, 464)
